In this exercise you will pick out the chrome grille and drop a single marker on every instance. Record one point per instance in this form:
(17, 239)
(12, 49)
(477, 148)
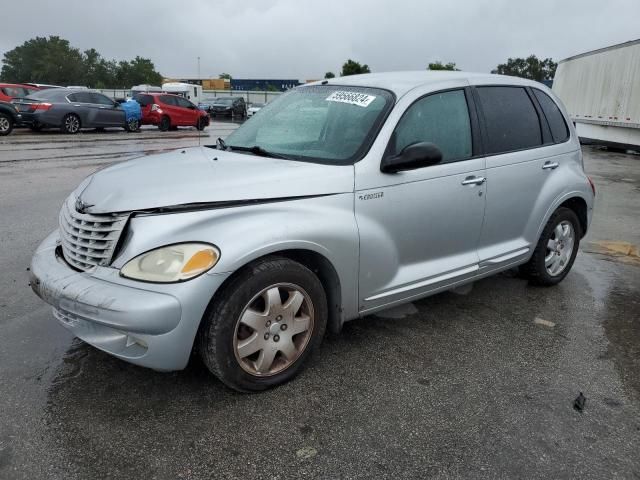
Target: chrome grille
(88, 240)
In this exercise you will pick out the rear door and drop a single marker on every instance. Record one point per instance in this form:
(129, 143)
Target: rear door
(520, 160)
(171, 108)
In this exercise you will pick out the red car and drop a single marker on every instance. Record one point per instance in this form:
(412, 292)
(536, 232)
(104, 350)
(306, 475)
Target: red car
(9, 91)
(170, 111)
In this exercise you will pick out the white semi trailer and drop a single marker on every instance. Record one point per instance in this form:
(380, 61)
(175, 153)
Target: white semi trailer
(601, 90)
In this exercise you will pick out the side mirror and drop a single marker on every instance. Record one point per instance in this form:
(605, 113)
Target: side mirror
(416, 155)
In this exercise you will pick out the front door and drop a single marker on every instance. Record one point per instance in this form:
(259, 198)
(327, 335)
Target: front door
(108, 114)
(419, 229)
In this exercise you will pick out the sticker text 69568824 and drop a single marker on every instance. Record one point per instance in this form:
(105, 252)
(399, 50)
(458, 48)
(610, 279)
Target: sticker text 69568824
(353, 98)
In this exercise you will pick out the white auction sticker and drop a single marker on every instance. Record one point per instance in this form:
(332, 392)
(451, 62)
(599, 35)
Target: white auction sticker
(352, 98)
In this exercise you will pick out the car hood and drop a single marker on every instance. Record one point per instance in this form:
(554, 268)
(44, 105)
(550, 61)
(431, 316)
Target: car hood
(199, 176)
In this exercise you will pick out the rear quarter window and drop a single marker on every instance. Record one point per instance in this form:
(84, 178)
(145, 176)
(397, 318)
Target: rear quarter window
(143, 100)
(555, 119)
(510, 119)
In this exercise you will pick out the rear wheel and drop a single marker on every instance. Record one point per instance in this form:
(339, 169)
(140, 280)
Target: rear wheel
(556, 250)
(6, 124)
(70, 124)
(260, 329)
(165, 124)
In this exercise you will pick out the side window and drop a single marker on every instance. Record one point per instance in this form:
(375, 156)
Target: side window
(82, 97)
(558, 126)
(511, 120)
(73, 98)
(168, 100)
(440, 118)
(143, 100)
(183, 102)
(101, 99)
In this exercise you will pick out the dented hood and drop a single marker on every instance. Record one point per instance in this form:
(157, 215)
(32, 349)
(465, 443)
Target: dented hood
(204, 175)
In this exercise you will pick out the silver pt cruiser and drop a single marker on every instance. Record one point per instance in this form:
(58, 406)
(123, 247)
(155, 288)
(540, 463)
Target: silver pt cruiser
(339, 199)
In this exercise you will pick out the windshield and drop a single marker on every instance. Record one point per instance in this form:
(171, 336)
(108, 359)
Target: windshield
(325, 124)
(223, 101)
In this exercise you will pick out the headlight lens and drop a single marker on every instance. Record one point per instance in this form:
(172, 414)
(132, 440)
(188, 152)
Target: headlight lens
(172, 263)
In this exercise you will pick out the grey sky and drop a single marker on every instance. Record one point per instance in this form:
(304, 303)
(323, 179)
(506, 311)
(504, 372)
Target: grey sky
(302, 39)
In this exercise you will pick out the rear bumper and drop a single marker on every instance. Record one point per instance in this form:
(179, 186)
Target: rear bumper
(142, 323)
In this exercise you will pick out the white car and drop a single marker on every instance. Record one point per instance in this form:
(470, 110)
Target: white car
(254, 108)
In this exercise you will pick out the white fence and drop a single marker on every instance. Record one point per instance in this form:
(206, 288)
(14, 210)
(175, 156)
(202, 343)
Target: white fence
(249, 96)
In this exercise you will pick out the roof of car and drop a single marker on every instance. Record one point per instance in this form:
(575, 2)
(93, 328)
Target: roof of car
(17, 85)
(402, 82)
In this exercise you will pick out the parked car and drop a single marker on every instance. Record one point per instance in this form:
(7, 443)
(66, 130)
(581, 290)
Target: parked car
(382, 190)
(170, 111)
(228, 107)
(254, 108)
(9, 117)
(70, 110)
(9, 91)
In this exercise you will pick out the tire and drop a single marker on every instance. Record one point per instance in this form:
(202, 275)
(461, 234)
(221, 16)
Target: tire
(552, 260)
(201, 124)
(263, 363)
(165, 124)
(6, 124)
(70, 124)
(132, 125)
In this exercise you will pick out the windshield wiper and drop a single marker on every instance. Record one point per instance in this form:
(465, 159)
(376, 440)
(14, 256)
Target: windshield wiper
(220, 144)
(258, 150)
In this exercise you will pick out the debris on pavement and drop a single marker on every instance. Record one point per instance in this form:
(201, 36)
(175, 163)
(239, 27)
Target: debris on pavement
(578, 403)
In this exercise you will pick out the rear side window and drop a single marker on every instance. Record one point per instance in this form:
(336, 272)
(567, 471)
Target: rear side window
(143, 100)
(81, 97)
(511, 120)
(559, 130)
(440, 118)
(168, 100)
(101, 99)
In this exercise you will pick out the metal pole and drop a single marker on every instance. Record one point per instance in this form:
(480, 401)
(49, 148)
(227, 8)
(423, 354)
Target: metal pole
(198, 68)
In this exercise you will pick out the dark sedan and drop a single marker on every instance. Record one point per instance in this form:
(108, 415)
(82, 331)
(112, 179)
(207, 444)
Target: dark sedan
(228, 107)
(70, 110)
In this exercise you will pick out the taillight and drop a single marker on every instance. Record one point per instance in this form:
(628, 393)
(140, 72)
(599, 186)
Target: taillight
(593, 186)
(41, 106)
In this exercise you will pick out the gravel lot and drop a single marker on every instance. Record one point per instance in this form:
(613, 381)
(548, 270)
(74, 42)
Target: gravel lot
(473, 384)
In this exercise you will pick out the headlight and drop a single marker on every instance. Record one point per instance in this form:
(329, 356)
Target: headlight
(172, 263)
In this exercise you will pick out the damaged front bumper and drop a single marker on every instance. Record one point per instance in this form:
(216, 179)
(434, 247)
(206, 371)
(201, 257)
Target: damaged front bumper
(152, 325)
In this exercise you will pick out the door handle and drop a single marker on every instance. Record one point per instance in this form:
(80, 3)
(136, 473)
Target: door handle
(550, 165)
(474, 181)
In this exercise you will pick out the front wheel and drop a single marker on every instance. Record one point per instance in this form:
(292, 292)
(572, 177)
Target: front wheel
(556, 250)
(6, 124)
(132, 125)
(259, 330)
(201, 124)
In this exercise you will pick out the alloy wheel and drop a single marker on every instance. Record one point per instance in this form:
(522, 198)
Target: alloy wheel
(4, 124)
(72, 124)
(559, 248)
(274, 329)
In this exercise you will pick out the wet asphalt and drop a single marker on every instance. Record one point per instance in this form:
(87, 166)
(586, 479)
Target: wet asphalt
(478, 383)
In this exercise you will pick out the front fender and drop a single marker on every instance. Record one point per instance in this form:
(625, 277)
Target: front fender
(324, 225)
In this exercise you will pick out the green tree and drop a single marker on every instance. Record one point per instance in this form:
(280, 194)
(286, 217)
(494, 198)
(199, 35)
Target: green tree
(53, 60)
(351, 67)
(224, 76)
(43, 60)
(329, 75)
(531, 67)
(440, 66)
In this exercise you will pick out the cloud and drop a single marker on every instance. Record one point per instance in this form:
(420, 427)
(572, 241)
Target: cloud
(302, 39)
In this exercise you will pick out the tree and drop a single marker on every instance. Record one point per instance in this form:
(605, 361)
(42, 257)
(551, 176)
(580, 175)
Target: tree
(43, 60)
(441, 66)
(530, 67)
(53, 60)
(351, 67)
(329, 75)
(224, 76)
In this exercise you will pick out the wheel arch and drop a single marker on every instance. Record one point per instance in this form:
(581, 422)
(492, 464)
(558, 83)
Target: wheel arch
(579, 206)
(321, 266)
